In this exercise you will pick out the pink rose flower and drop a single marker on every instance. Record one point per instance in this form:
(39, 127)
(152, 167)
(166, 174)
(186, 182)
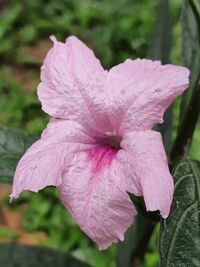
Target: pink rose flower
(99, 144)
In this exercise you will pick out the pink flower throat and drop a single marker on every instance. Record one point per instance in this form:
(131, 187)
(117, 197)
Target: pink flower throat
(103, 154)
(112, 142)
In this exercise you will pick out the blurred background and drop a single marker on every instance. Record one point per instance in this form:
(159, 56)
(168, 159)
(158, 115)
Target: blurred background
(115, 30)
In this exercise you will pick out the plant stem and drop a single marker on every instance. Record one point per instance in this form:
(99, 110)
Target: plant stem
(137, 255)
(195, 5)
(187, 126)
(186, 130)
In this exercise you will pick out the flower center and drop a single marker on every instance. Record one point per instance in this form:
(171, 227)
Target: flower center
(103, 155)
(112, 142)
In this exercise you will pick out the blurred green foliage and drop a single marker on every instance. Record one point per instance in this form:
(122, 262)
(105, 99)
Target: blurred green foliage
(32, 256)
(116, 30)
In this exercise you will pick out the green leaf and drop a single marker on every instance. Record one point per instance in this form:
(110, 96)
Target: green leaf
(7, 234)
(13, 144)
(13, 255)
(159, 48)
(179, 233)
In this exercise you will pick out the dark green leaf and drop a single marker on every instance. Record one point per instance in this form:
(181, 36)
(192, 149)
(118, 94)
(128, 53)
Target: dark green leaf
(179, 234)
(12, 255)
(13, 144)
(159, 48)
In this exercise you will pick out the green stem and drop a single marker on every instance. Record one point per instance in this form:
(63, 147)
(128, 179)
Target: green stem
(150, 220)
(184, 136)
(187, 127)
(195, 5)
(137, 256)
(190, 117)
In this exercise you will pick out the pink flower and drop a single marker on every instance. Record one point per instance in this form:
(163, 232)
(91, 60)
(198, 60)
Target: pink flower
(99, 144)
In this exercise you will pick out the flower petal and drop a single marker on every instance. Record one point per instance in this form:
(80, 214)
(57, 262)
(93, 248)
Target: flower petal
(72, 84)
(151, 168)
(141, 91)
(93, 191)
(126, 161)
(45, 161)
